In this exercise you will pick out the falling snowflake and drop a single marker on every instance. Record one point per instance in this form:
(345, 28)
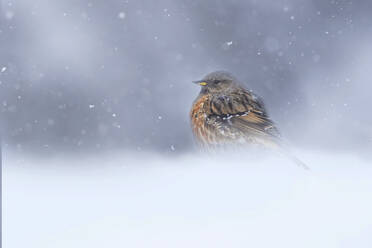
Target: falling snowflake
(226, 45)
(9, 15)
(121, 15)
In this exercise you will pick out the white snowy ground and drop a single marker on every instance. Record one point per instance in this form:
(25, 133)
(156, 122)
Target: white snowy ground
(144, 200)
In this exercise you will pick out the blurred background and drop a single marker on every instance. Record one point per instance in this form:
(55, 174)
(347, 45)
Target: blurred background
(90, 75)
(95, 97)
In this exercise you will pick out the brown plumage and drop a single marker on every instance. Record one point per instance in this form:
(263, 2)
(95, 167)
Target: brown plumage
(226, 114)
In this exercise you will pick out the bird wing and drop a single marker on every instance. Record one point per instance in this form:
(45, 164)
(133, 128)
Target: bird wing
(244, 113)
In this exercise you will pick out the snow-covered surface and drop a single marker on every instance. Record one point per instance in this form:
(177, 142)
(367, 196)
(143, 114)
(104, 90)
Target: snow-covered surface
(145, 200)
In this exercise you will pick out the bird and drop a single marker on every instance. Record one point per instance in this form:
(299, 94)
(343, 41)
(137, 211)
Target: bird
(226, 114)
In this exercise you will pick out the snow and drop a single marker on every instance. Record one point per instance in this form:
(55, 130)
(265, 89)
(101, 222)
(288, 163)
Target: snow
(118, 76)
(121, 15)
(226, 45)
(145, 200)
(9, 14)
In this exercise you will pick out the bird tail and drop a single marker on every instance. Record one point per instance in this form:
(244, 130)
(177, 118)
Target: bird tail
(293, 158)
(281, 149)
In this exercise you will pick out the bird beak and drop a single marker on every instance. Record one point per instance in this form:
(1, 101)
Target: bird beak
(200, 82)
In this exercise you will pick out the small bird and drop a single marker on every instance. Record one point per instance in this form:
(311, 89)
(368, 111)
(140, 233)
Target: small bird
(226, 114)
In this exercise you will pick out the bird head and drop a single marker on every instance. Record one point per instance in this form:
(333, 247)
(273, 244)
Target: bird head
(216, 82)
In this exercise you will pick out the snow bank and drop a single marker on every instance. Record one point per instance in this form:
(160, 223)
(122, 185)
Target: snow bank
(144, 200)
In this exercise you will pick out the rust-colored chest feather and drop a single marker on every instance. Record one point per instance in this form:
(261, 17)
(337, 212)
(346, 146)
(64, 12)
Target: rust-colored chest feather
(199, 116)
(207, 130)
(234, 118)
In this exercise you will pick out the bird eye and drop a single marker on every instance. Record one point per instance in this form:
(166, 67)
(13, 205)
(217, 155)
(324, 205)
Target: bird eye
(216, 81)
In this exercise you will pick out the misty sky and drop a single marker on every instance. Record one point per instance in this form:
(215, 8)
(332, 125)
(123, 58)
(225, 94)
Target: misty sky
(95, 97)
(100, 75)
